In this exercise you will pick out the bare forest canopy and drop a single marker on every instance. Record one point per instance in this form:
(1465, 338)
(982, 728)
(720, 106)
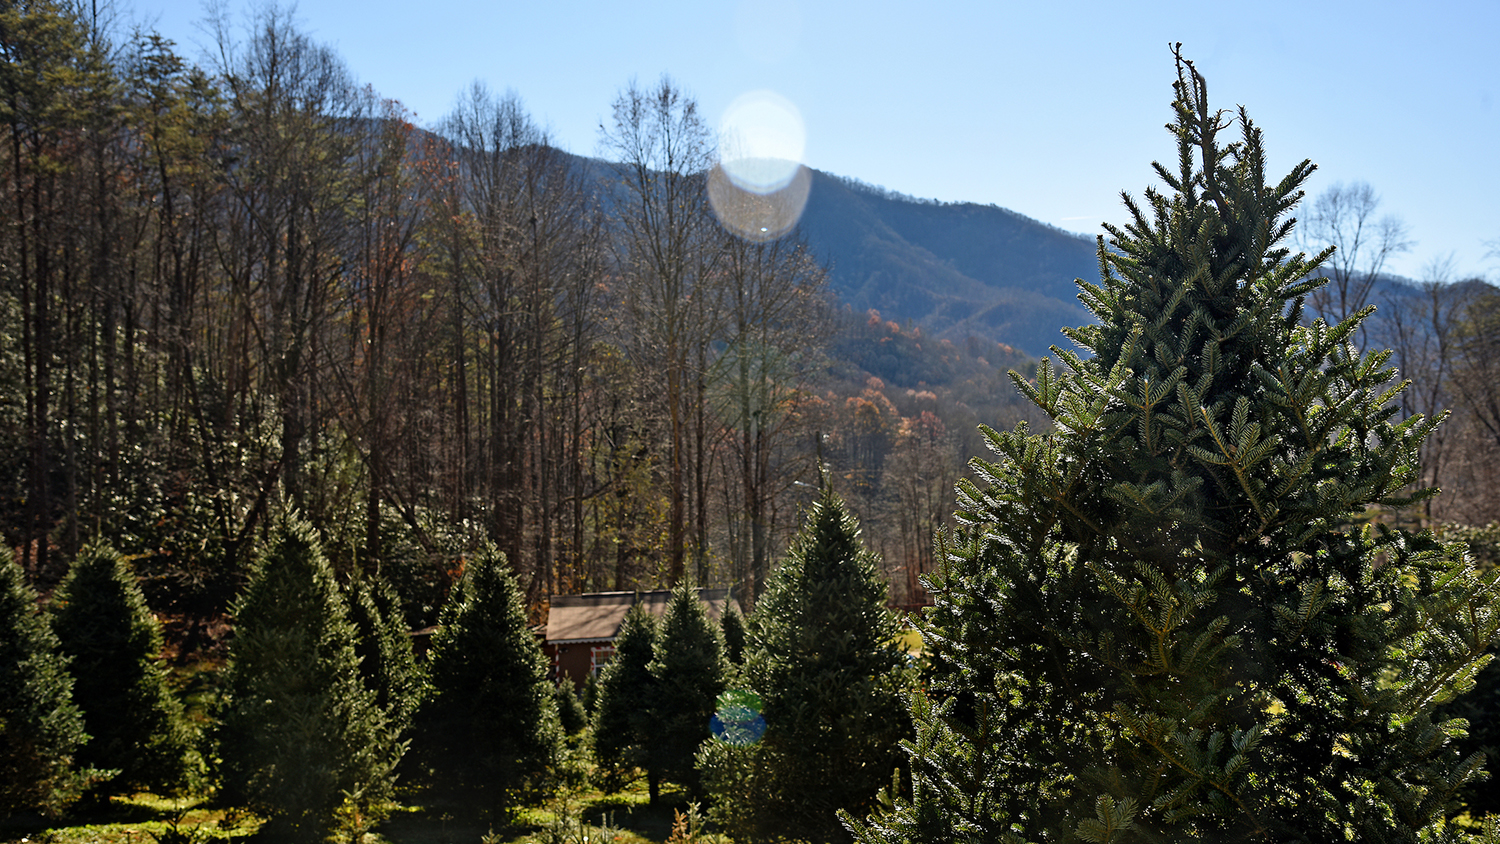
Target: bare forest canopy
(234, 292)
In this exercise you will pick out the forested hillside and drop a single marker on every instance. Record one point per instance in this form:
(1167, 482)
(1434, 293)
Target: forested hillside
(257, 288)
(957, 269)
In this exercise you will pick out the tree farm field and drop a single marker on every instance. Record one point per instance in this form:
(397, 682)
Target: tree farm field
(571, 818)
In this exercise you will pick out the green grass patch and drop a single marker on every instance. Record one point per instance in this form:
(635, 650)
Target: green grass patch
(137, 819)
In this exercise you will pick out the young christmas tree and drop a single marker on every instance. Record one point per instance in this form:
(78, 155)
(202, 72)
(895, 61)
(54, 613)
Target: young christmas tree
(823, 657)
(689, 671)
(625, 692)
(490, 725)
(386, 662)
(299, 733)
(732, 625)
(1167, 619)
(114, 642)
(40, 727)
(571, 713)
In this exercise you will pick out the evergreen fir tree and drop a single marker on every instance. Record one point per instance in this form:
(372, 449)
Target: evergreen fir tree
(823, 657)
(624, 694)
(40, 727)
(570, 711)
(732, 625)
(135, 724)
(689, 671)
(386, 661)
(590, 695)
(490, 725)
(299, 733)
(1166, 620)
(1479, 706)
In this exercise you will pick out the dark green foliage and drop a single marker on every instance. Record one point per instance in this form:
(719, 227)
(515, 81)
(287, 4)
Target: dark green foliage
(732, 626)
(689, 671)
(421, 561)
(1481, 705)
(490, 725)
(822, 654)
(40, 727)
(386, 662)
(1166, 620)
(590, 696)
(1483, 542)
(625, 691)
(299, 733)
(570, 711)
(114, 642)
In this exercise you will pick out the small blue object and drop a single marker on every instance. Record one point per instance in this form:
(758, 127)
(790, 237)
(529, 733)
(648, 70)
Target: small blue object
(739, 726)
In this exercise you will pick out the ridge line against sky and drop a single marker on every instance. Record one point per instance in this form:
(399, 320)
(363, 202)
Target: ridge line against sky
(1049, 110)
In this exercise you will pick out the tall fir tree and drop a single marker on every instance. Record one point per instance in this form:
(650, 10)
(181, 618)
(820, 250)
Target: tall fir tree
(689, 671)
(824, 659)
(40, 727)
(490, 725)
(1168, 619)
(386, 660)
(135, 724)
(299, 734)
(625, 691)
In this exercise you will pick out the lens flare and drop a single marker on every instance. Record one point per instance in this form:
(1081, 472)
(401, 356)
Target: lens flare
(761, 141)
(738, 720)
(758, 217)
(759, 188)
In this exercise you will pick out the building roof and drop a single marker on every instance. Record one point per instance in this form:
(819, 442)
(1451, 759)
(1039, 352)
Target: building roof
(597, 616)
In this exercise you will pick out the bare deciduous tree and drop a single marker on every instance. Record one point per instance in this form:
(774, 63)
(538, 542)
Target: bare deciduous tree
(775, 311)
(666, 242)
(1344, 216)
(1419, 326)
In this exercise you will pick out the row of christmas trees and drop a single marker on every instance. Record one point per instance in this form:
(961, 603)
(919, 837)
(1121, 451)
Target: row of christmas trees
(322, 699)
(809, 709)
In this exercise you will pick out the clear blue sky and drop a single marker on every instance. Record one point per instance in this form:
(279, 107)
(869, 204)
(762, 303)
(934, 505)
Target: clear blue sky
(1046, 108)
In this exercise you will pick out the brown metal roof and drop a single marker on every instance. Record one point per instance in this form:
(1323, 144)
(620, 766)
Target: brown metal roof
(597, 616)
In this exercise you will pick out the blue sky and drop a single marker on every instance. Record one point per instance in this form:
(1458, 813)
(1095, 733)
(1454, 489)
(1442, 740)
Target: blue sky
(1049, 109)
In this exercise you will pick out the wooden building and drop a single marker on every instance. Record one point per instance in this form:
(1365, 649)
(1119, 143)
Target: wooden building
(581, 629)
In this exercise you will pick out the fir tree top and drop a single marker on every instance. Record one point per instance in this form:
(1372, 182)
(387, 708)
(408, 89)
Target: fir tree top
(102, 607)
(1209, 416)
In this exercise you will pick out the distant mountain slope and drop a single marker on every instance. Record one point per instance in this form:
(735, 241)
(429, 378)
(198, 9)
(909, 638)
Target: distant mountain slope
(956, 269)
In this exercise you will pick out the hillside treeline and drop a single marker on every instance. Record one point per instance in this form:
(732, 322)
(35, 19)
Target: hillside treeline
(255, 286)
(258, 286)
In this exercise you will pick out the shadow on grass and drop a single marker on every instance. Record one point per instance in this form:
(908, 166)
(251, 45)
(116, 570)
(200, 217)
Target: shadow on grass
(132, 819)
(431, 816)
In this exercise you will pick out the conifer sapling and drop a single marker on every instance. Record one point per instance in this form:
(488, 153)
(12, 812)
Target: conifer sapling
(299, 733)
(135, 724)
(689, 671)
(490, 725)
(40, 727)
(625, 691)
(823, 657)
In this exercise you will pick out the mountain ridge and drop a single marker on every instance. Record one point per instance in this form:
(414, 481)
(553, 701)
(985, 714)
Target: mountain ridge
(955, 268)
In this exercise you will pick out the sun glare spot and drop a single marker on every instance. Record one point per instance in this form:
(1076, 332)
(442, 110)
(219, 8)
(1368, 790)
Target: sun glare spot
(760, 187)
